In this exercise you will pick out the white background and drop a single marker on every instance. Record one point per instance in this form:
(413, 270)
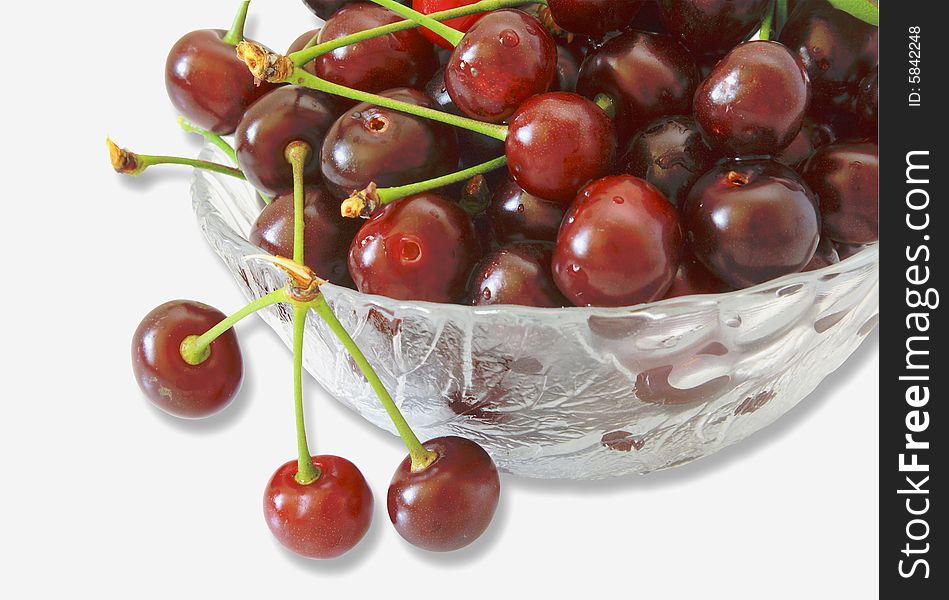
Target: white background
(103, 495)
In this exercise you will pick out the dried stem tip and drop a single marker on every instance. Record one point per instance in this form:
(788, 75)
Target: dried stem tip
(123, 161)
(361, 204)
(265, 64)
(304, 283)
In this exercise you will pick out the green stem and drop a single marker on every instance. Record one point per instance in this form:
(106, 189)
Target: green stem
(766, 24)
(304, 56)
(297, 154)
(421, 457)
(236, 34)
(301, 77)
(196, 349)
(606, 102)
(306, 472)
(391, 194)
(209, 136)
(450, 34)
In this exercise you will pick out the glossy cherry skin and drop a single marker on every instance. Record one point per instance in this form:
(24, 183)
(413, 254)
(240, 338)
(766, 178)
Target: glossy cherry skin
(372, 144)
(811, 137)
(751, 221)
(208, 84)
(620, 244)
(402, 59)
(557, 143)
(323, 519)
(568, 69)
(461, 24)
(693, 278)
(450, 503)
(845, 178)
(178, 388)
(712, 26)
(300, 43)
(325, 9)
(327, 234)
(594, 17)
(517, 215)
(837, 50)
(419, 248)
(671, 154)
(754, 100)
(518, 273)
(868, 103)
(647, 75)
(504, 59)
(288, 114)
(825, 256)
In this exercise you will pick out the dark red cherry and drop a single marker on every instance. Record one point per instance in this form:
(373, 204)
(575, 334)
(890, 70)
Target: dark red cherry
(750, 221)
(300, 43)
(620, 244)
(503, 60)
(287, 114)
(372, 144)
(671, 154)
(568, 69)
(517, 215)
(324, 9)
(845, 178)
(594, 17)
(693, 278)
(419, 248)
(323, 519)
(825, 256)
(462, 24)
(518, 273)
(811, 137)
(646, 75)
(712, 26)
(450, 503)
(649, 18)
(557, 142)
(837, 49)
(754, 100)
(208, 84)
(868, 103)
(327, 234)
(172, 384)
(402, 59)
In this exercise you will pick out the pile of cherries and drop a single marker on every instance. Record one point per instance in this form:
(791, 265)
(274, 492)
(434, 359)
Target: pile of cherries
(652, 151)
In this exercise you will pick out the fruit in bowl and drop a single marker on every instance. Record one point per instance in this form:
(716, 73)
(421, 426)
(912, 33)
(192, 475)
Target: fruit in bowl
(653, 278)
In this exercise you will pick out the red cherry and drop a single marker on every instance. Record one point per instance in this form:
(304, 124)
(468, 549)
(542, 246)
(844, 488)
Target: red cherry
(169, 382)
(504, 59)
(557, 143)
(620, 244)
(325, 518)
(518, 216)
(450, 503)
(594, 17)
(712, 26)
(845, 178)
(419, 248)
(518, 273)
(208, 84)
(463, 24)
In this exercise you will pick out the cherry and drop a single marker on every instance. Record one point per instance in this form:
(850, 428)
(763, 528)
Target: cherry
(517, 215)
(208, 84)
(646, 75)
(327, 234)
(693, 278)
(324, 9)
(322, 519)
(504, 59)
(649, 18)
(712, 26)
(518, 273)
(448, 504)
(620, 244)
(372, 144)
(568, 69)
(172, 384)
(671, 154)
(736, 105)
(868, 103)
(402, 59)
(462, 24)
(419, 248)
(300, 43)
(557, 142)
(811, 137)
(750, 221)
(287, 114)
(594, 17)
(844, 176)
(825, 256)
(837, 49)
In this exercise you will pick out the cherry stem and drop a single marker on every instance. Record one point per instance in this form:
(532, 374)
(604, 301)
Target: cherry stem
(236, 33)
(297, 153)
(606, 102)
(450, 34)
(306, 472)
(129, 163)
(421, 456)
(196, 349)
(210, 136)
(766, 24)
(304, 56)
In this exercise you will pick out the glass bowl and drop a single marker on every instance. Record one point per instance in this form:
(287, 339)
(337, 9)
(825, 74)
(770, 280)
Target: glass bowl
(577, 393)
